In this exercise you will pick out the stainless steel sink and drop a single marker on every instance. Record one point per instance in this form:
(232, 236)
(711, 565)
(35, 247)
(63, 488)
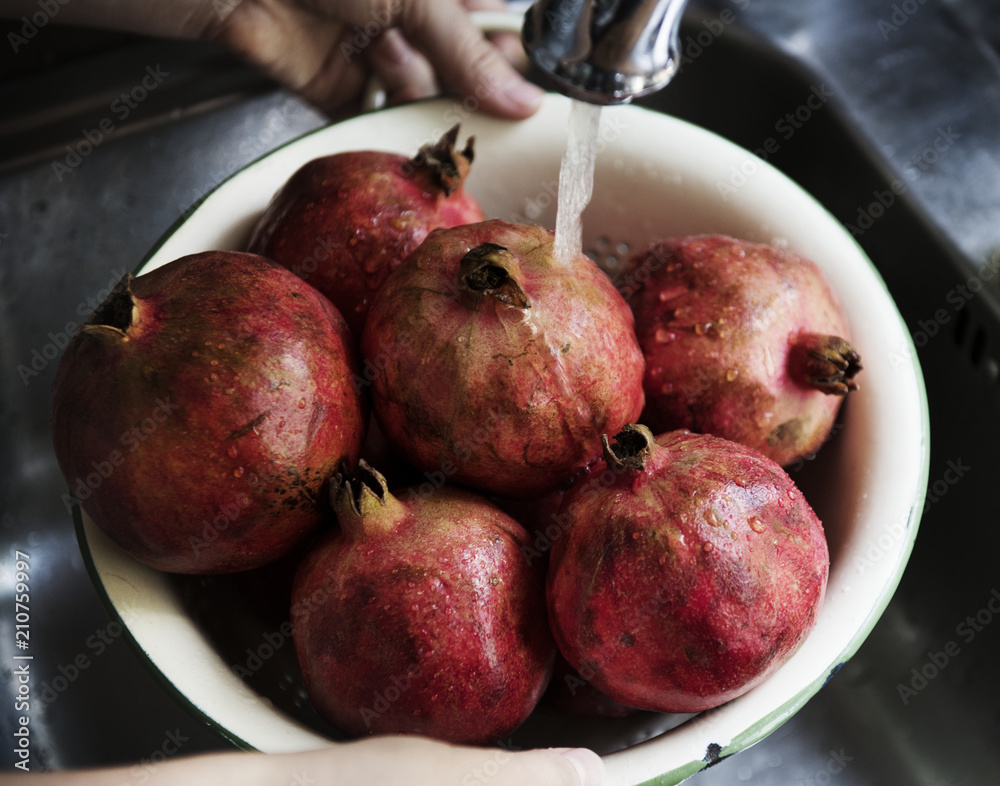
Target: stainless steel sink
(888, 114)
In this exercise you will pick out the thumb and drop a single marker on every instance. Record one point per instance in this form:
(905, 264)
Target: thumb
(463, 57)
(418, 761)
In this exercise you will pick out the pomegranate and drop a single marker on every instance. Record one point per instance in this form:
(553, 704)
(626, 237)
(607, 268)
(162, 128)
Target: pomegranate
(497, 365)
(744, 341)
(344, 221)
(200, 412)
(691, 570)
(421, 615)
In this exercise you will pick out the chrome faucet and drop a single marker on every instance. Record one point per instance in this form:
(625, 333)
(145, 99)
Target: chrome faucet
(605, 51)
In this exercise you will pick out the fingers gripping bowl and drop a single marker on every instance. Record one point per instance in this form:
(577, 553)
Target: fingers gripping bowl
(655, 177)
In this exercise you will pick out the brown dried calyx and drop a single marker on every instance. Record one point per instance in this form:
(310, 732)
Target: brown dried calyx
(447, 165)
(487, 269)
(631, 448)
(826, 363)
(362, 502)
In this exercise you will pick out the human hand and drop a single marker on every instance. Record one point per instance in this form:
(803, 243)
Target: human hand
(326, 50)
(376, 761)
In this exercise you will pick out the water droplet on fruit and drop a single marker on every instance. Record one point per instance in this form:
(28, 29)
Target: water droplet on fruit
(713, 518)
(667, 387)
(732, 374)
(302, 403)
(213, 362)
(755, 524)
(238, 472)
(706, 547)
(232, 451)
(663, 559)
(229, 391)
(664, 336)
(244, 500)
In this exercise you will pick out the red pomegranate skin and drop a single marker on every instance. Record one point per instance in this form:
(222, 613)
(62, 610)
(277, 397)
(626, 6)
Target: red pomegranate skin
(343, 222)
(421, 616)
(506, 390)
(685, 581)
(742, 340)
(201, 413)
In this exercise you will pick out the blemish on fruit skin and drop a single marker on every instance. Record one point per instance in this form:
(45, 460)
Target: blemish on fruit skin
(232, 451)
(714, 518)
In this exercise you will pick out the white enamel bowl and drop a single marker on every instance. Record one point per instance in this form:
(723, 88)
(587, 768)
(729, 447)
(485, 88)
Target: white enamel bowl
(655, 176)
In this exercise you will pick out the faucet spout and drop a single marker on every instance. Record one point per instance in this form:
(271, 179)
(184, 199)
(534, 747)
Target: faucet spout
(605, 51)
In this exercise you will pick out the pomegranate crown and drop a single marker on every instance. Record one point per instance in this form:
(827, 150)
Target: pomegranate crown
(447, 165)
(631, 447)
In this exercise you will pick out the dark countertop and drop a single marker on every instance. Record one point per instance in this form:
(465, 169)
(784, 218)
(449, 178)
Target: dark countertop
(912, 99)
